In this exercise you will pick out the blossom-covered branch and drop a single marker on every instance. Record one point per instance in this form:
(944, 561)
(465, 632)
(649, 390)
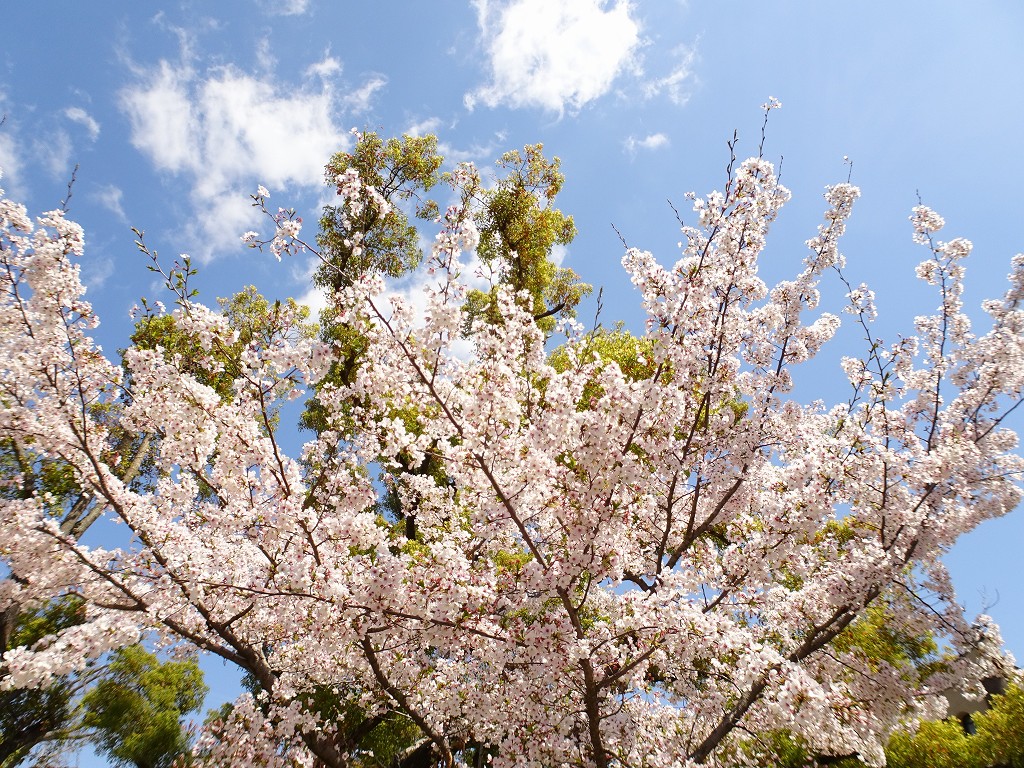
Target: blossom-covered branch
(639, 550)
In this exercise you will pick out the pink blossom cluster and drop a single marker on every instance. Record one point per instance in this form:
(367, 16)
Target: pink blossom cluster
(617, 569)
(287, 227)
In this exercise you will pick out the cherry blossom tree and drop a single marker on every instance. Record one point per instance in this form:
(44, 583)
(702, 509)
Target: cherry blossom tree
(653, 564)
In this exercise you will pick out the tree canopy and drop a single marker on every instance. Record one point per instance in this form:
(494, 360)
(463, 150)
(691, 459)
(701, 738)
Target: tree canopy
(634, 550)
(64, 712)
(136, 709)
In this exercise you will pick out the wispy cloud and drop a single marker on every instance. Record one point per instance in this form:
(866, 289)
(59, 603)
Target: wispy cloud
(223, 131)
(10, 164)
(54, 152)
(478, 153)
(678, 82)
(651, 142)
(358, 100)
(96, 271)
(423, 127)
(553, 55)
(287, 7)
(110, 197)
(328, 66)
(162, 117)
(80, 116)
(265, 58)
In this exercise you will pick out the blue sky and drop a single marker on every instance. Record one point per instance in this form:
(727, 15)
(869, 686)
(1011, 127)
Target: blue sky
(175, 115)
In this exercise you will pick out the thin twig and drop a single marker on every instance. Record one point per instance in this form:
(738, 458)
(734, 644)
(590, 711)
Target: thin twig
(71, 184)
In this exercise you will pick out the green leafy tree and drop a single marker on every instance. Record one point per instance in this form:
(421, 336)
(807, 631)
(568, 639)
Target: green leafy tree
(874, 640)
(1000, 730)
(253, 318)
(383, 740)
(632, 355)
(937, 744)
(136, 709)
(519, 227)
(516, 216)
(374, 239)
(998, 740)
(30, 716)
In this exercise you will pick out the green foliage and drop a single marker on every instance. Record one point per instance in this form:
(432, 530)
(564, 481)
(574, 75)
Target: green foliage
(25, 474)
(33, 715)
(252, 316)
(131, 710)
(942, 744)
(33, 626)
(781, 749)
(519, 226)
(374, 742)
(385, 742)
(631, 354)
(877, 637)
(400, 170)
(619, 346)
(161, 332)
(136, 709)
(28, 717)
(998, 740)
(54, 714)
(511, 562)
(1000, 730)
(997, 743)
(516, 217)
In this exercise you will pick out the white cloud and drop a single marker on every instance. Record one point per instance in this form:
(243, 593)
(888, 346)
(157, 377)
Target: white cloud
(554, 55)
(479, 154)
(288, 7)
(558, 254)
(359, 100)
(423, 127)
(325, 68)
(80, 116)
(251, 126)
(11, 154)
(96, 271)
(265, 58)
(676, 83)
(10, 165)
(654, 141)
(224, 131)
(110, 197)
(54, 152)
(161, 114)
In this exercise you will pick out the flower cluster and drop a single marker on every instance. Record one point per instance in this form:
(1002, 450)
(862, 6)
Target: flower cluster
(644, 553)
(287, 227)
(925, 221)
